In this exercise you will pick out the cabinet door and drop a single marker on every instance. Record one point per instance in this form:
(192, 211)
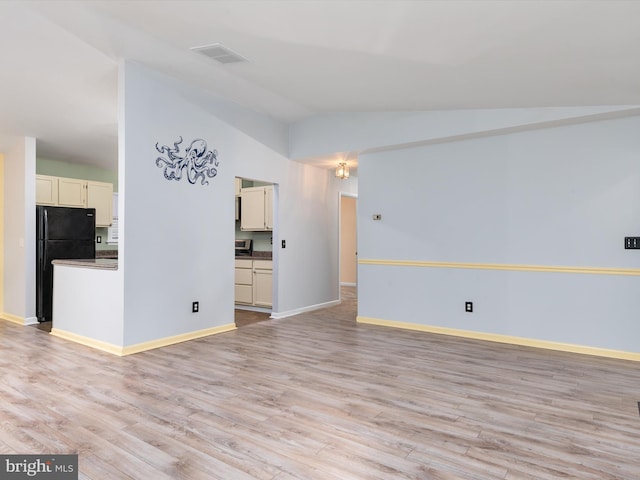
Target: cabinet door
(244, 294)
(238, 185)
(244, 276)
(46, 190)
(252, 205)
(72, 192)
(100, 197)
(263, 288)
(268, 208)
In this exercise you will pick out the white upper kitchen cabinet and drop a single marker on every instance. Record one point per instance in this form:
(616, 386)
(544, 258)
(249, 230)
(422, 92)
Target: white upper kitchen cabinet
(100, 197)
(46, 190)
(72, 192)
(268, 207)
(257, 209)
(77, 193)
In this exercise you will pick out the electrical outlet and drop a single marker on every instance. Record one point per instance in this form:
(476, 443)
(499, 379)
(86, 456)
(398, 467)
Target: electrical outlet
(284, 244)
(631, 243)
(98, 239)
(468, 307)
(377, 216)
(195, 307)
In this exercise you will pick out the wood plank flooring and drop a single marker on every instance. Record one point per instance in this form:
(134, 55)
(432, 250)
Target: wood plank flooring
(318, 396)
(249, 317)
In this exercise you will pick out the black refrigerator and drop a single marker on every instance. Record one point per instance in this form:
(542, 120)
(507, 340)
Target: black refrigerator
(62, 233)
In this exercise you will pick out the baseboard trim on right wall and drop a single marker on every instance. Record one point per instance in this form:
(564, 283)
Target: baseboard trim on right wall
(492, 337)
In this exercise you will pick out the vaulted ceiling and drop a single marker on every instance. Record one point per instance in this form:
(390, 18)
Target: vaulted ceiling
(58, 77)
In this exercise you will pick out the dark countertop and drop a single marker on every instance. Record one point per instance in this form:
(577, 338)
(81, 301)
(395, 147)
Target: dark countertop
(106, 253)
(257, 255)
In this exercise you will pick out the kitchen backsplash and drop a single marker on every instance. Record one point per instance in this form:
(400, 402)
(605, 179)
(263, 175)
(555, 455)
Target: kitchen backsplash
(103, 232)
(261, 240)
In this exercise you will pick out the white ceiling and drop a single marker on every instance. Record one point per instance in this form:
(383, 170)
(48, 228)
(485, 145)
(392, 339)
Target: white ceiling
(58, 71)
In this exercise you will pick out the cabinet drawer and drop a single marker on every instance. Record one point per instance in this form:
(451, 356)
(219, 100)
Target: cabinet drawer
(243, 263)
(244, 276)
(263, 264)
(244, 294)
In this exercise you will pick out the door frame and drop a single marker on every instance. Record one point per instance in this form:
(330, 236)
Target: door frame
(340, 197)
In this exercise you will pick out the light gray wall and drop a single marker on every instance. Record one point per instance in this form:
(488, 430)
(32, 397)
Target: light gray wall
(561, 196)
(19, 230)
(191, 253)
(321, 136)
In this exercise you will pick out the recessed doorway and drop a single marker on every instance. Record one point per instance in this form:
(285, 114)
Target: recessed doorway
(348, 242)
(255, 262)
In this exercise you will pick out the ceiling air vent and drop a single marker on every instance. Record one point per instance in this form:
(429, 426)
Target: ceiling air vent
(220, 53)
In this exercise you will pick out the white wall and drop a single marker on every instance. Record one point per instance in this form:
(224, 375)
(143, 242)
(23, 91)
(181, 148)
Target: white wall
(19, 231)
(562, 196)
(88, 302)
(322, 135)
(176, 243)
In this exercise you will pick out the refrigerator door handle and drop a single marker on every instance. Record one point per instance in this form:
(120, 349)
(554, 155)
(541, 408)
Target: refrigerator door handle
(45, 224)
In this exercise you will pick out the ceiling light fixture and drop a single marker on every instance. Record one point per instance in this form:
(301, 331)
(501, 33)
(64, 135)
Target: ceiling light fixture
(342, 171)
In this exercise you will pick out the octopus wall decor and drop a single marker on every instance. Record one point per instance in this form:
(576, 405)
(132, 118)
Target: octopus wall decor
(197, 162)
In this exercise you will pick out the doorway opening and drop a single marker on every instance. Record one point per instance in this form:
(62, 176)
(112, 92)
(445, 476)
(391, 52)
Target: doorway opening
(348, 245)
(255, 262)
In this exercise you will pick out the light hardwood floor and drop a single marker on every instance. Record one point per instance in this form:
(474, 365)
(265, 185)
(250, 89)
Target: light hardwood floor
(318, 396)
(248, 317)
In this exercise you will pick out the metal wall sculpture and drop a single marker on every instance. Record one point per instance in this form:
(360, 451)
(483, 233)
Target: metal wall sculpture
(196, 163)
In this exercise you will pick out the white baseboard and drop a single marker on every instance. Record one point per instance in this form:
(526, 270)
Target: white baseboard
(297, 311)
(493, 337)
(140, 347)
(251, 308)
(19, 320)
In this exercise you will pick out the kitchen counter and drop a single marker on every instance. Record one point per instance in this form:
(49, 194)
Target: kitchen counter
(88, 302)
(257, 255)
(98, 263)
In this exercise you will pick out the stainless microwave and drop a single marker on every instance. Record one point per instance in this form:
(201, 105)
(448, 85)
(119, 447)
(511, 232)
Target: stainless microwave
(244, 247)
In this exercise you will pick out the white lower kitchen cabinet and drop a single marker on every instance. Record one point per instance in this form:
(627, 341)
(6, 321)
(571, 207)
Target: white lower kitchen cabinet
(253, 282)
(244, 294)
(244, 281)
(263, 283)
